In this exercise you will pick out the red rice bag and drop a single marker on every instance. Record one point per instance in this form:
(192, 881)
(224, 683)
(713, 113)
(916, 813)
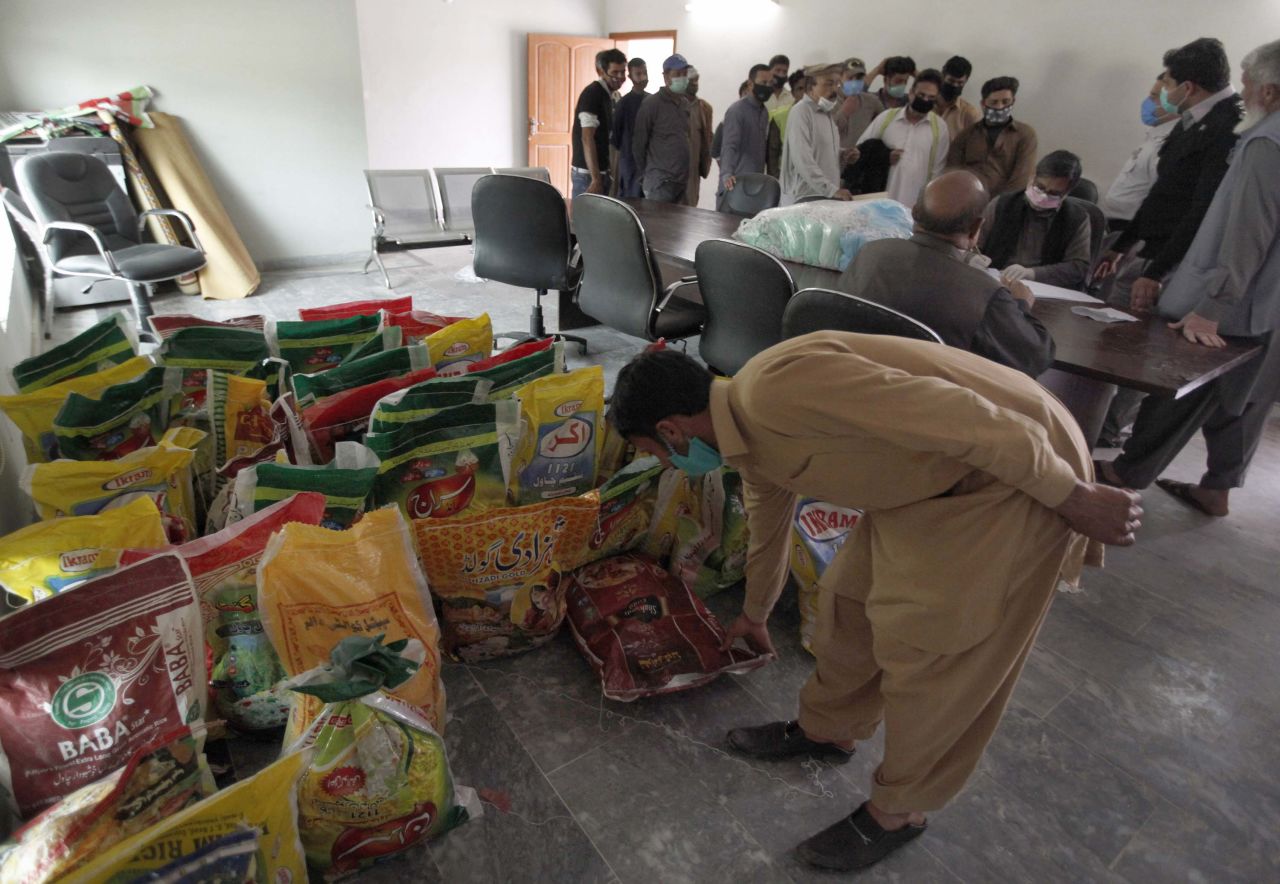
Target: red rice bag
(89, 676)
(347, 309)
(519, 351)
(345, 415)
(419, 324)
(165, 325)
(644, 632)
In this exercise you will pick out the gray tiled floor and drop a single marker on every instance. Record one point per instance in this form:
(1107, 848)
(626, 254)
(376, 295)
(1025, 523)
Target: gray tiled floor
(1141, 744)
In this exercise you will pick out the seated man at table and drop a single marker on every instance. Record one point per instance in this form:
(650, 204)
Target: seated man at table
(1039, 233)
(931, 279)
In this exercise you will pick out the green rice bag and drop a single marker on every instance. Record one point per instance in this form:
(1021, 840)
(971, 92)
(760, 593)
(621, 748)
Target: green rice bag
(110, 342)
(198, 349)
(389, 338)
(354, 373)
(626, 509)
(455, 461)
(426, 399)
(316, 346)
(346, 484)
(127, 417)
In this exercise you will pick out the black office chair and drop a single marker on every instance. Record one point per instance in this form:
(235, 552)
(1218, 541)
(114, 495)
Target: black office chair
(1085, 190)
(746, 291)
(89, 227)
(811, 310)
(1097, 236)
(622, 286)
(522, 238)
(752, 194)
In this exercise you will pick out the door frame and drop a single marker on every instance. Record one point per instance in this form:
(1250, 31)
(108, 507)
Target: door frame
(645, 35)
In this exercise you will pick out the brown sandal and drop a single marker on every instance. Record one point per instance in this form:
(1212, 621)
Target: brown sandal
(1184, 492)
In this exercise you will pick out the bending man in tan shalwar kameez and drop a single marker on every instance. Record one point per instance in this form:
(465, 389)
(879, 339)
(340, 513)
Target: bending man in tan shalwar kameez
(978, 493)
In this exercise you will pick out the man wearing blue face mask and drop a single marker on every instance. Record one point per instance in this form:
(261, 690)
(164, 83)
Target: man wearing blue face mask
(857, 109)
(1134, 181)
(897, 70)
(977, 494)
(660, 144)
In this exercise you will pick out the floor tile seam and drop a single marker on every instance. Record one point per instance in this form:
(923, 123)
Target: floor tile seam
(581, 828)
(1136, 833)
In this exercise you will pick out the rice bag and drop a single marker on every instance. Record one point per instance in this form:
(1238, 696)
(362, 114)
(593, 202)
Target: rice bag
(224, 571)
(378, 781)
(644, 632)
(818, 532)
(158, 780)
(418, 325)
(86, 488)
(199, 349)
(626, 509)
(497, 576)
(109, 342)
(316, 587)
(346, 484)
(561, 420)
(230, 859)
(449, 463)
(315, 346)
(88, 677)
(345, 416)
(457, 346)
(239, 416)
(267, 802)
(347, 309)
(699, 529)
(389, 338)
(517, 351)
(426, 399)
(165, 325)
(357, 372)
(47, 558)
(615, 452)
(33, 413)
(124, 418)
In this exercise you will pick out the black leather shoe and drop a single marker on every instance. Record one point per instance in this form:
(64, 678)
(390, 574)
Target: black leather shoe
(783, 739)
(855, 842)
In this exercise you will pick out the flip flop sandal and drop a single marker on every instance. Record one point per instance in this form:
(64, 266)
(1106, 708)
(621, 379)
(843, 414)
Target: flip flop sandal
(1101, 478)
(1184, 492)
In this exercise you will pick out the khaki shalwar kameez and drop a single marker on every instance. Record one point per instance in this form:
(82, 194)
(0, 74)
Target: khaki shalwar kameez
(927, 614)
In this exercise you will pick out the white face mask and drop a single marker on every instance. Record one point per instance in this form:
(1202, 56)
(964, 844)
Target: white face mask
(826, 105)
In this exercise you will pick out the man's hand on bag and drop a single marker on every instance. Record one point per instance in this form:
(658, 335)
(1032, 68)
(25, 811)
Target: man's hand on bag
(1103, 513)
(756, 635)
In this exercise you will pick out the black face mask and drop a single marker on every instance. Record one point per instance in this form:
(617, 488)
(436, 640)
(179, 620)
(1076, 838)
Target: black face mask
(779, 81)
(762, 91)
(950, 91)
(921, 105)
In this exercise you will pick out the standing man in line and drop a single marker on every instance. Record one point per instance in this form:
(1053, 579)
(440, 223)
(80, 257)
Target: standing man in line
(624, 126)
(811, 146)
(957, 113)
(857, 109)
(897, 71)
(998, 149)
(977, 493)
(746, 132)
(661, 141)
(592, 120)
(1134, 182)
(917, 139)
(782, 97)
(700, 135)
(1228, 284)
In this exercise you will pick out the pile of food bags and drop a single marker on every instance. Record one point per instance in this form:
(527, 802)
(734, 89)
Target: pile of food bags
(825, 233)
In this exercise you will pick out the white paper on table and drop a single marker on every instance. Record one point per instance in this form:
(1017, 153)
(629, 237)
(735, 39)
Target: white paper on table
(1051, 292)
(1104, 314)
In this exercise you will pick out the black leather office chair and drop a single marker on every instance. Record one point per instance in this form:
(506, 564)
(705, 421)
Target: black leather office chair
(752, 194)
(89, 227)
(522, 238)
(811, 310)
(622, 286)
(745, 291)
(1097, 236)
(1085, 190)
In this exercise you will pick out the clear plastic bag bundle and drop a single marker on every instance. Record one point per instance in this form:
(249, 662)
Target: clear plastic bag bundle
(826, 233)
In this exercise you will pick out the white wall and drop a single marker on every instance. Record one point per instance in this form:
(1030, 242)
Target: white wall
(269, 92)
(445, 84)
(1085, 66)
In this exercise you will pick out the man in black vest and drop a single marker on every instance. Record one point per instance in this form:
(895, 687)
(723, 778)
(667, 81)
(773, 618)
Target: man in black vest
(1040, 233)
(937, 277)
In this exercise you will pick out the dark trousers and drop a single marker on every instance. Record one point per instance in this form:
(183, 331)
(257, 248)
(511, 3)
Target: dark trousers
(667, 191)
(1165, 426)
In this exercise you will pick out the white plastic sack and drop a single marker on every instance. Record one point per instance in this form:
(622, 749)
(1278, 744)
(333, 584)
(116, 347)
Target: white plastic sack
(825, 233)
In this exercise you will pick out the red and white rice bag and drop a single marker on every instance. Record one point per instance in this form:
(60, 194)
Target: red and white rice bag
(645, 632)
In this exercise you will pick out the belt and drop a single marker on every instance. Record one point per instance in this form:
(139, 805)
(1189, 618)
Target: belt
(587, 171)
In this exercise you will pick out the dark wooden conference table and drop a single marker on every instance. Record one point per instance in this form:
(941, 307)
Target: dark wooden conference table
(1091, 359)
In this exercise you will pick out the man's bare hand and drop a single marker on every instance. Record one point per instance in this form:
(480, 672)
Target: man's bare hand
(755, 634)
(1198, 330)
(596, 185)
(894, 156)
(851, 155)
(1103, 513)
(1107, 266)
(1022, 292)
(730, 182)
(842, 194)
(1144, 294)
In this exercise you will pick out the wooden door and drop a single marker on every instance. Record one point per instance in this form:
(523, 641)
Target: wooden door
(559, 69)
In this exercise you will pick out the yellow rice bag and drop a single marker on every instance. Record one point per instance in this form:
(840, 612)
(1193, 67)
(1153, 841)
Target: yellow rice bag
(317, 587)
(561, 436)
(456, 346)
(33, 413)
(51, 557)
(240, 415)
(86, 488)
(266, 801)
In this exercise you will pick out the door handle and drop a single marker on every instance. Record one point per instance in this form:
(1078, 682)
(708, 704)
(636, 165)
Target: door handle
(533, 126)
